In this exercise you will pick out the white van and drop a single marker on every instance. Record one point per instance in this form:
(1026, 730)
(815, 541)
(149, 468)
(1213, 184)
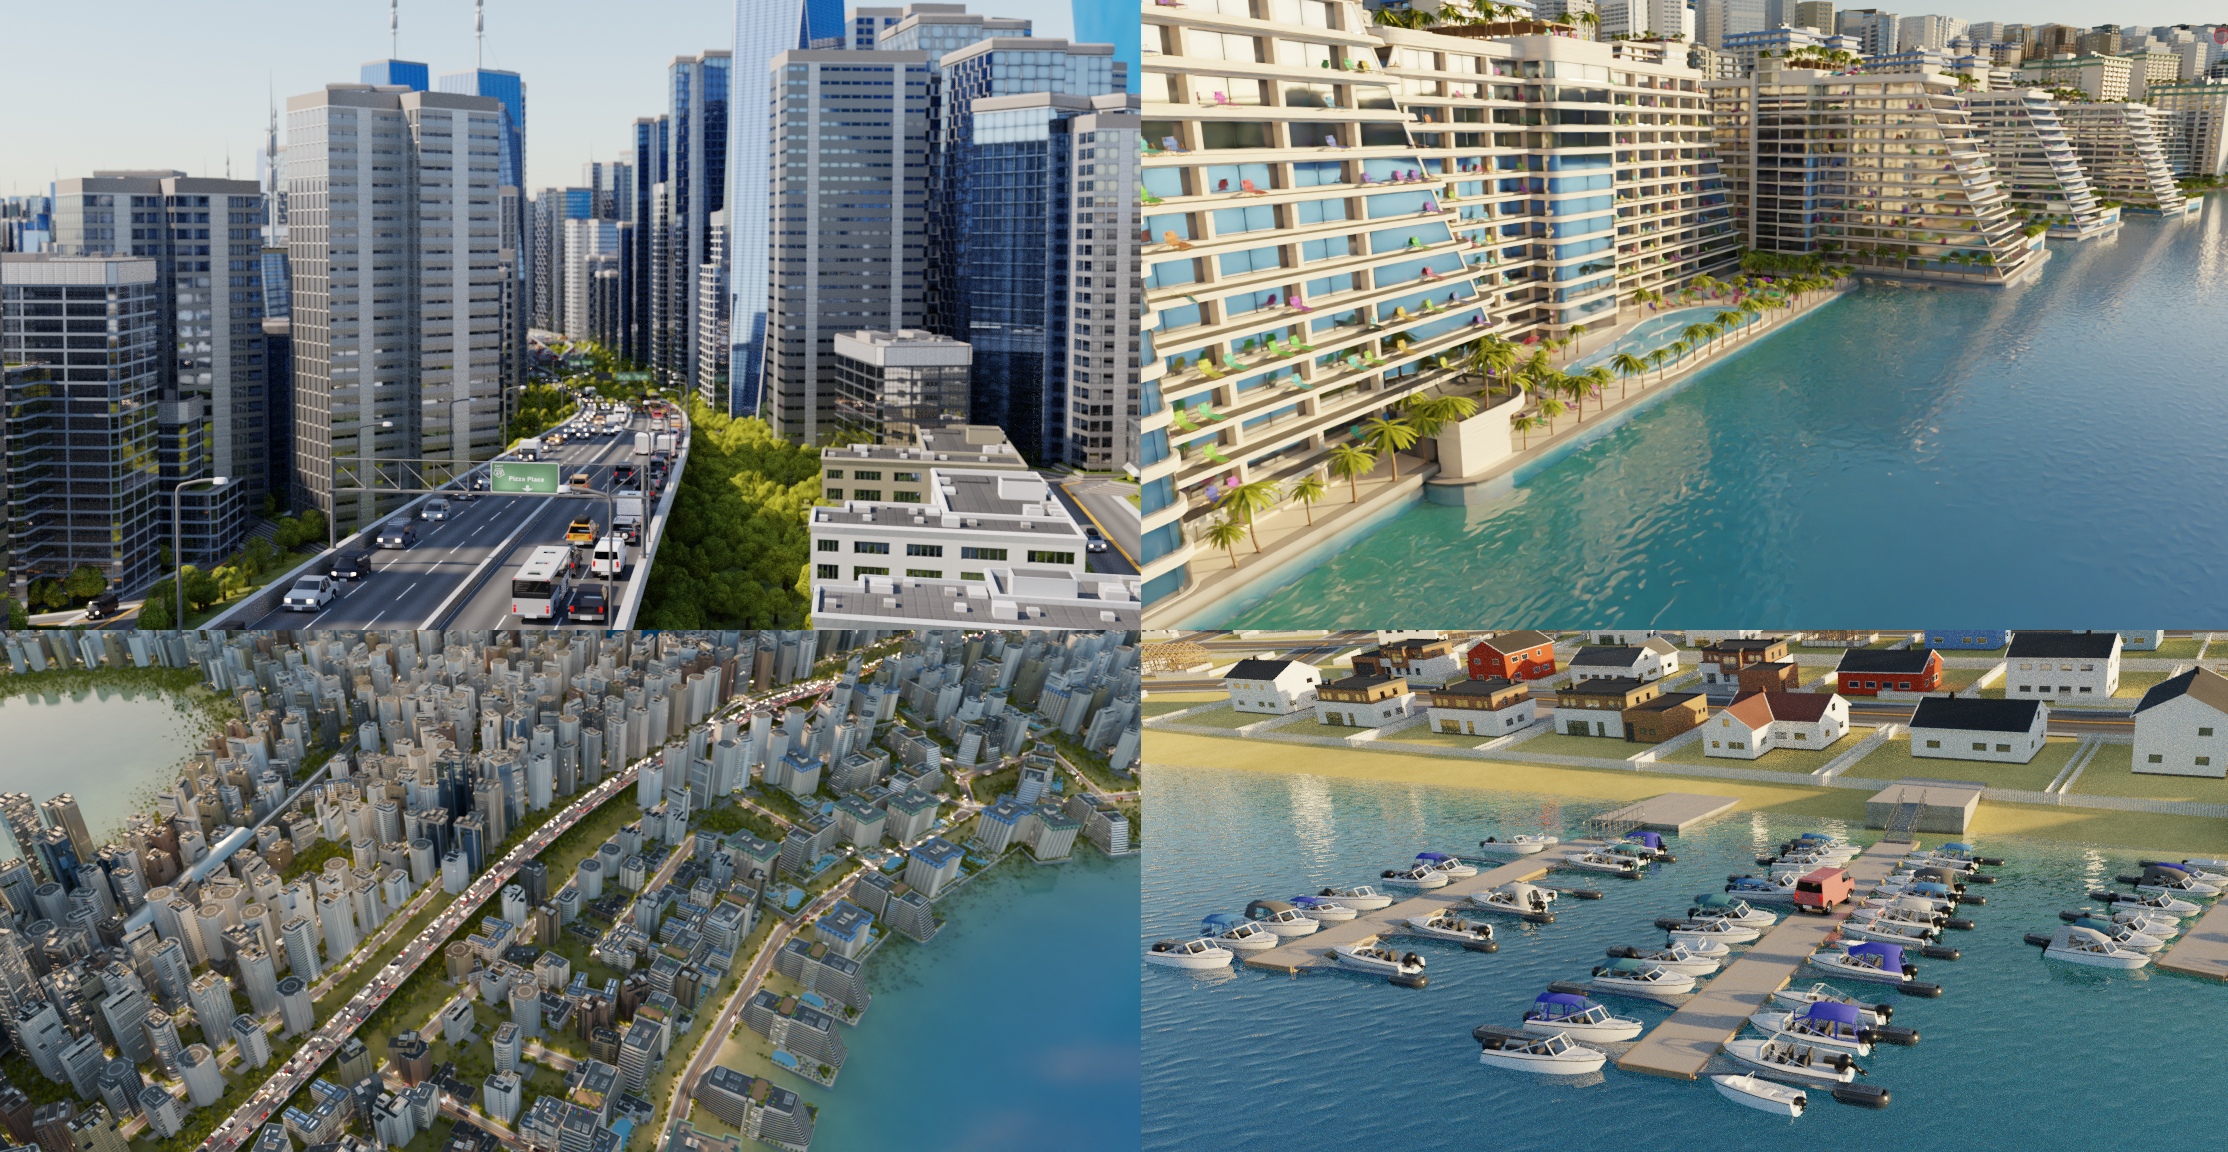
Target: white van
(609, 558)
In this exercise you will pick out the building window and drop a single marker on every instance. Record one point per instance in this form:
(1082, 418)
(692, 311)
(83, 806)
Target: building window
(2155, 758)
(866, 475)
(2204, 731)
(827, 545)
(1979, 746)
(925, 573)
(1933, 743)
(827, 572)
(924, 550)
(1040, 557)
(966, 553)
(866, 493)
(906, 496)
(834, 474)
(870, 547)
(2025, 688)
(906, 477)
(975, 576)
(835, 493)
(1903, 684)
(2084, 687)
(863, 570)
(1735, 744)
(2003, 747)
(2204, 761)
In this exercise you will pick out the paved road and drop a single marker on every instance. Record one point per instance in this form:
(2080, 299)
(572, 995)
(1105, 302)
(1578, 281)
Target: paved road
(1095, 500)
(408, 586)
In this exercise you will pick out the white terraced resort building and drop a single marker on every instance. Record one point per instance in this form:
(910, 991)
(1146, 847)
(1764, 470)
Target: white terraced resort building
(1333, 208)
(2034, 158)
(1881, 172)
(2191, 119)
(2118, 147)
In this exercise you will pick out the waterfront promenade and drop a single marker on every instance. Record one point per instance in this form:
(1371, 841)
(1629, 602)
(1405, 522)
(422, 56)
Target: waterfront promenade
(1681, 1046)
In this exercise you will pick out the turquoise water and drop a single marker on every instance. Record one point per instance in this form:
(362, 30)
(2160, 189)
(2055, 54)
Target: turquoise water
(110, 748)
(2019, 1053)
(1014, 1030)
(2018, 453)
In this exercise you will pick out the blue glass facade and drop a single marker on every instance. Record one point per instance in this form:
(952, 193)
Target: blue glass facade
(1111, 22)
(511, 91)
(407, 73)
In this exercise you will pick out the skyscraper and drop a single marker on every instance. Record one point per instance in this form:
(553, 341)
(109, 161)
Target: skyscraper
(1104, 22)
(763, 30)
(397, 297)
(508, 89)
(693, 185)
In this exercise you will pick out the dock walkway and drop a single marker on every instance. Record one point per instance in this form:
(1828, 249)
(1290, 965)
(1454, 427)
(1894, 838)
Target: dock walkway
(1314, 950)
(1681, 1046)
(2203, 950)
(1673, 812)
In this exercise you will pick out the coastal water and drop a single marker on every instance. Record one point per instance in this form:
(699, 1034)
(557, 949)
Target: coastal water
(1014, 1030)
(111, 748)
(2019, 1053)
(2042, 452)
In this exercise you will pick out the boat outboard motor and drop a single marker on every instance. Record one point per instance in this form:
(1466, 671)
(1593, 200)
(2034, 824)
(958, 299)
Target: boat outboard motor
(1482, 944)
(1936, 952)
(1892, 1034)
(1861, 1095)
(1917, 988)
(2041, 939)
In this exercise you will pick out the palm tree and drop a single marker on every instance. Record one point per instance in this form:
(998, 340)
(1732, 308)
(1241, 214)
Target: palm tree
(1693, 333)
(1492, 357)
(1523, 426)
(1440, 411)
(1550, 408)
(1598, 376)
(1389, 437)
(1575, 331)
(1248, 500)
(1307, 490)
(1754, 310)
(1627, 366)
(1225, 534)
(1729, 318)
(1352, 461)
(1656, 359)
(1536, 366)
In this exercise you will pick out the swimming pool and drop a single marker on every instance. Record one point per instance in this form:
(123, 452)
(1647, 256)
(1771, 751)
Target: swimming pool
(2018, 1053)
(1658, 331)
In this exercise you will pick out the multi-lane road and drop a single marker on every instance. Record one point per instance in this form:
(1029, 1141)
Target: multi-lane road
(484, 539)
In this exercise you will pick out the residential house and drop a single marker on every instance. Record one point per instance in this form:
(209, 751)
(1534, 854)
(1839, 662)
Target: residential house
(2004, 731)
(1650, 661)
(1722, 661)
(1984, 639)
(1705, 637)
(1657, 720)
(1844, 639)
(2181, 727)
(1513, 655)
(1757, 722)
(1363, 701)
(1584, 708)
(2049, 665)
(1779, 676)
(1622, 637)
(1871, 671)
(1424, 659)
(1275, 687)
(1485, 708)
(2142, 639)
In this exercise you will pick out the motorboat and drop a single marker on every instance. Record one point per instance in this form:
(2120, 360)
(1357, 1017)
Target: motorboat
(1908, 901)
(1888, 931)
(1822, 839)
(2170, 880)
(2123, 935)
(1238, 933)
(1875, 962)
(2077, 945)
(2215, 876)
(2158, 902)
(1826, 1025)
(2148, 923)
(1519, 899)
(1946, 864)
(1449, 927)
(1377, 960)
(1752, 1091)
(1524, 1051)
(1450, 865)
(1281, 918)
(1360, 897)
(1870, 1015)
(1200, 953)
(1723, 906)
(1601, 862)
(1523, 844)
(1707, 930)
(1818, 857)
(1676, 958)
(1579, 1018)
(1416, 876)
(1795, 1061)
(2215, 864)
(1760, 889)
(1643, 977)
(1651, 841)
(1956, 851)
(1323, 908)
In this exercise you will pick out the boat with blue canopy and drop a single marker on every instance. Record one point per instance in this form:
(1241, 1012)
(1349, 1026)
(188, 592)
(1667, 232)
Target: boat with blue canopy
(1578, 1017)
(1441, 862)
(1873, 961)
(1237, 933)
(1823, 1023)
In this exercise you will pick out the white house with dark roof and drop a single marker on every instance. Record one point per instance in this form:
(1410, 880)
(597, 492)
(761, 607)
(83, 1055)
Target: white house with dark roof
(1649, 660)
(2002, 731)
(1272, 687)
(1623, 637)
(2181, 727)
(2062, 666)
(1704, 637)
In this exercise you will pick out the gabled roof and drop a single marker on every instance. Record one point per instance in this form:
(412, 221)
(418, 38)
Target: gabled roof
(1361, 682)
(1893, 661)
(1507, 642)
(1667, 701)
(1606, 657)
(1755, 645)
(1660, 646)
(1260, 669)
(2064, 645)
(1602, 686)
(2207, 688)
(1478, 687)
(1757, 709)
(1976, 715)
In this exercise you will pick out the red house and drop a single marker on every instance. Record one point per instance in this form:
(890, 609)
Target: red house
(1514, 655)
(1869, 672)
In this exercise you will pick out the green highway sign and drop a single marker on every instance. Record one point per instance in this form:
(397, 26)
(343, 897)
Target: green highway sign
(515, 476)
(636, 376)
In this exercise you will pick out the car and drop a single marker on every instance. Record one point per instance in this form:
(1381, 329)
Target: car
(102, 607)
(434, 509)
(583, 531)
(398, 534)
(554, 439)
(310, 594)
(622, 477)
(352, 565)
(581, 480)
(1093, 542)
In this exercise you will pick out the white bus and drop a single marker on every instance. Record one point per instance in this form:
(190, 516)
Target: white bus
(538, 592)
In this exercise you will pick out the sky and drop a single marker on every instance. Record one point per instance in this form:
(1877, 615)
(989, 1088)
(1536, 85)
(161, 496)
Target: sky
(140, 84)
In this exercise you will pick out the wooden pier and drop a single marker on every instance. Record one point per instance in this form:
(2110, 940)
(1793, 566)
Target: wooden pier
(1673, 812)
(2203, 950)
(1682, 1046)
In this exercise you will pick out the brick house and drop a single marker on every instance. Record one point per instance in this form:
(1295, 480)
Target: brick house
(1486, 708)
(1722, 662)
(1655, 721)
(1596, 707)
(1513, 656)
(1871, 671)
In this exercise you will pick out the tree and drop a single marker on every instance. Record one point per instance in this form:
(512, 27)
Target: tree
(1656, 359)
(1226, 534)
(18, 616)
(1492, 357)
(259, 554)
(1307, 490)
(1352, 461)
(1523, 426)
(156, 613)
(1389, 437)
(1598, 377)
(1550, 408)
(1246, 501)
(85, 582)
(1627, 366)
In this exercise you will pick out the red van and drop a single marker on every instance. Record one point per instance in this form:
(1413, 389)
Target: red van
(1821, 890)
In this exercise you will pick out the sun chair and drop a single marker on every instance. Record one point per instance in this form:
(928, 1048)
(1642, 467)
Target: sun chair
(1332, 142)
(1365, 179)
(1230, 363)
(1299, 345)
(1207, 369)
(1372, 361)
(1168, 144)
(1222, 185)
(1247, 188)
(1428, 274)
(1174, 241)
(1400, 312)
(1429, 305)
(1297, 304)
(1414, 243)
(1144, 197)
(1215, 456)
(1278, 350)
(1182, 420)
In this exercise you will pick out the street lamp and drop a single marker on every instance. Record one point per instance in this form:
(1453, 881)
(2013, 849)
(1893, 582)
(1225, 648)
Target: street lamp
(177, 537)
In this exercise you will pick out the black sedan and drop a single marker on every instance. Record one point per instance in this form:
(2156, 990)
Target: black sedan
(588, 606)
(352, 565)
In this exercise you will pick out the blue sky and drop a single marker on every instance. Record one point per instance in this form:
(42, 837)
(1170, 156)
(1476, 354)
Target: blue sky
(141, 84)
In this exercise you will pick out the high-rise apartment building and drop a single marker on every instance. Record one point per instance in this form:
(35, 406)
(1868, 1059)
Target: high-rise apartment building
(1092, 334)
(691, 187)
(509, 90)
(394, 248)
(1658, 19)
(850, 253)
(1927, 32)
(1822, 163)
(585, 240)
(1717, 19)
(2191, 119)
(2118, 146)
(2021, 131)
(1816, 15)
(1876, 33)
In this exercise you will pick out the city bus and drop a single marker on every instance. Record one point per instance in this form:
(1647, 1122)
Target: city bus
(538, 592)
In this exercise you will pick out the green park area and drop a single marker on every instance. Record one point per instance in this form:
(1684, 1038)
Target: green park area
(2111, 772)
(733, 554)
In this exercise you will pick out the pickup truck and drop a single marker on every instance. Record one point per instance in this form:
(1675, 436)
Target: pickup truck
(627, 516)
(310, 594)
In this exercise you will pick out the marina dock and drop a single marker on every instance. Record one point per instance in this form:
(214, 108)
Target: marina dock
(2203, 950)
(1673, 812)
(1314, 950)
(1681, 1046)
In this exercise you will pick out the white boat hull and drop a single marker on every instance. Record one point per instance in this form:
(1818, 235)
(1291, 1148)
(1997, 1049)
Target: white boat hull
(1856, 930)
(1617, 1028)
(1329, 915)
(2123, 960)
(1601, 866)
(1369, 903)
(1434, 880)
(1691, 937)
(1576, 1062)
(1679, 984)
(1424, 929)
(1373, 965)
(1248, 943)
(1521, 846)
(1824, 963)
(1299, 927)
(2195, 888)
(1750, 1052)
(1777, 1024)
(1697, 967)
(1750, 1091)
(1801, 1001)
(1217, 957)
